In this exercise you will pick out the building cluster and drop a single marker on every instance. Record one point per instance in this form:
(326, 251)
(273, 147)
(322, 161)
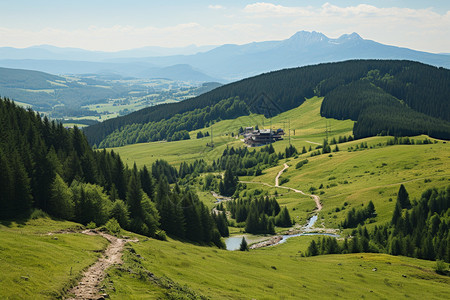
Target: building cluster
(261, 137)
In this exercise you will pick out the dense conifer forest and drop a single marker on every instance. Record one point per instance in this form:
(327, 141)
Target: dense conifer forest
(48, 169)
(414, 94)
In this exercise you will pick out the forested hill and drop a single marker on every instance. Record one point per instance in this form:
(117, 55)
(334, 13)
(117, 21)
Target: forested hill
(416, 91)
(45, 168)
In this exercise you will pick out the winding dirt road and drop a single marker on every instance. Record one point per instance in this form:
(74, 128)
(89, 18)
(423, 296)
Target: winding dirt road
(277, 179)
(88, 287)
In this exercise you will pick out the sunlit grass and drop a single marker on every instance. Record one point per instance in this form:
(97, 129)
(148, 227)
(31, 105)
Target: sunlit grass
(39, 266)
(278, 273)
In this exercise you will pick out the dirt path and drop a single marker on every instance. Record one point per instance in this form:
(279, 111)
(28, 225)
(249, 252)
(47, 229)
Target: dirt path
(313, 143)
(88, 287)
(279, 174)
(314, 197)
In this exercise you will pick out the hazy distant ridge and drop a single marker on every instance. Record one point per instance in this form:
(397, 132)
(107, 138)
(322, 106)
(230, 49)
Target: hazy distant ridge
(228, 62)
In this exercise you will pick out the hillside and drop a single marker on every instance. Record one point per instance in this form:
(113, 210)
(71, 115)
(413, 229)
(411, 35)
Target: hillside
(154, 269)
(44, 91)
(90, 98)
(415, 91)
(126, 69)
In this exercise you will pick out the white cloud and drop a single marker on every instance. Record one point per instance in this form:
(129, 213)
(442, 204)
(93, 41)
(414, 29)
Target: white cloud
(216, 7)
(264, 10)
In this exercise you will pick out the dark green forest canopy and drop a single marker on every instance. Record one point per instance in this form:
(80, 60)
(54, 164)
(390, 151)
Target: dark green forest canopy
(378, 112)
(413, 89)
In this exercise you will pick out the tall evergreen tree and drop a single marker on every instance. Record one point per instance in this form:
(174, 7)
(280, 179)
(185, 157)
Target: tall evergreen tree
(61, 200)
(147, 182)
(134, 194)
(243, 246)
(403, 197)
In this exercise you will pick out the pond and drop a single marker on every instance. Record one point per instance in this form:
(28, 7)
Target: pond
(234, 242)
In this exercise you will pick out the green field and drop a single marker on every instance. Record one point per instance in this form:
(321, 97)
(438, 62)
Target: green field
(273, 273)
(357, 177)
(174, 152)
(44, 266)
(36, 265)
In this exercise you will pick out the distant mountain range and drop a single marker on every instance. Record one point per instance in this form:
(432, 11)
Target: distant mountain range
(209, 63)
(51, 52)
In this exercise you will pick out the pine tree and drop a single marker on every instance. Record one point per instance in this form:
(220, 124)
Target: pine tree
(252, 222)
(6, 187)
(312, 249)
(230, 181)
(134, 194)
(147, 182)
(244, 245)
(284, 219)
(119, 211)
(403, 197)
(61, 200)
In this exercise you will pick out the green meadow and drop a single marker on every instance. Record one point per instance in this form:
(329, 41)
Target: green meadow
(36, 265)
(45, 266)
(350, 179)
(273, 273)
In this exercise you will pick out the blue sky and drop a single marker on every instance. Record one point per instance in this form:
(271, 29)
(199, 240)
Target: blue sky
(115, 25)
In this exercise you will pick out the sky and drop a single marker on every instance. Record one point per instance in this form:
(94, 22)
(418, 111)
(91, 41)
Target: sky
(112, 25)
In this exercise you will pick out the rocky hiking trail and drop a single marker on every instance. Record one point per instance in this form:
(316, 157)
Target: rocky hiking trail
(88, 287)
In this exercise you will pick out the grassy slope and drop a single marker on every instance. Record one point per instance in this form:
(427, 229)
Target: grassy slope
(35, 265)
(372, 174)
(278, 273)
(272, 273)
(305, 119)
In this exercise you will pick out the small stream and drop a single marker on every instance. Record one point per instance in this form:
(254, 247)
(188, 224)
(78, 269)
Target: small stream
(233, 243)
(311, 222)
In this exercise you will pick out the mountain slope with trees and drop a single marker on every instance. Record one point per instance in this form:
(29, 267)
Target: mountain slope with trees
(409, 89)
(45, 168)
